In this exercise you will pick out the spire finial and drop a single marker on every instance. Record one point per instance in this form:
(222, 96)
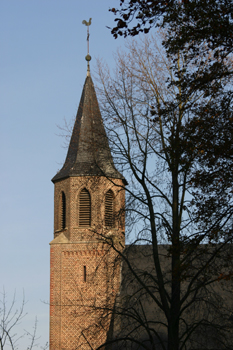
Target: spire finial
(88, 57)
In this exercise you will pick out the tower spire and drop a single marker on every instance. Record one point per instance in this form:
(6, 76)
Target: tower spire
(88, 56)
(89, 153)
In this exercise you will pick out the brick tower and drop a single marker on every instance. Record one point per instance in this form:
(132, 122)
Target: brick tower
(88, 231)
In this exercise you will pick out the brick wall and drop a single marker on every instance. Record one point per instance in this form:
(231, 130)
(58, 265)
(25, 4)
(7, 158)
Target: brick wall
(80, 306)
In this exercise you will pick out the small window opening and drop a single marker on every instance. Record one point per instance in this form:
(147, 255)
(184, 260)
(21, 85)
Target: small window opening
(109, 215)
(62, 219)
(84, 273)
(84, 208)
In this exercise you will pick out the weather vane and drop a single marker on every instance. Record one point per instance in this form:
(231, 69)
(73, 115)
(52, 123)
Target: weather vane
(88, 57)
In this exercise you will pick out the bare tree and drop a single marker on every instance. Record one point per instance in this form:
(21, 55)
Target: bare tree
(173, 296)
(11, 316)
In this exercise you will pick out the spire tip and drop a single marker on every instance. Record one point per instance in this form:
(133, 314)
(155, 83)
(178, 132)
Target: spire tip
(88, 57)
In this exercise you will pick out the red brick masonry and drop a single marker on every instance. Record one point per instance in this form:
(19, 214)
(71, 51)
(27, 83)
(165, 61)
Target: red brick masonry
(85, 268)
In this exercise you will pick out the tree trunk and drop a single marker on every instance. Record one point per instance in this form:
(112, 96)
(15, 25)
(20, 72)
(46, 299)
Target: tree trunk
(173, 322)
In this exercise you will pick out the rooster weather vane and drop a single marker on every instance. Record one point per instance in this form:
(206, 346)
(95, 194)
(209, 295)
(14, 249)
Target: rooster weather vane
(88, 57)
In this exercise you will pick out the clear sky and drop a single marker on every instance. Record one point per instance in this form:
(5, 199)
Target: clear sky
(42, 71)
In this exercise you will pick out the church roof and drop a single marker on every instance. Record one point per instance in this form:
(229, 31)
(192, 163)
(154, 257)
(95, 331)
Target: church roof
(89, 153)
(137, 316)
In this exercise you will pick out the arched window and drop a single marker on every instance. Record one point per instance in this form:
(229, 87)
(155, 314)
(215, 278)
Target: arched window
(84, 208)
(109, 210)
(62, 212)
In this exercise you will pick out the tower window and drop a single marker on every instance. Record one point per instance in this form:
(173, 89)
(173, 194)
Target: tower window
(84, 273)
(62, 212)
(109, 215)
(84, 208)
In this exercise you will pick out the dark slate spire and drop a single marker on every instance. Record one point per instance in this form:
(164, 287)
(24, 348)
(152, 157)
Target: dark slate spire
(89, 152)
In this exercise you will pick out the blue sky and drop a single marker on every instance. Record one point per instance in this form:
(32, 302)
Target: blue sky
(42, 70)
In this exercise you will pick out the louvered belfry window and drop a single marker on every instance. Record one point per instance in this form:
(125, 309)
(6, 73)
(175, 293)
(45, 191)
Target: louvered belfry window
(109, 215)
(62, 215)
(84, 208)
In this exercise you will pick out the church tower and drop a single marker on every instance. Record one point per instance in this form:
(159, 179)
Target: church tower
(89, 229)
